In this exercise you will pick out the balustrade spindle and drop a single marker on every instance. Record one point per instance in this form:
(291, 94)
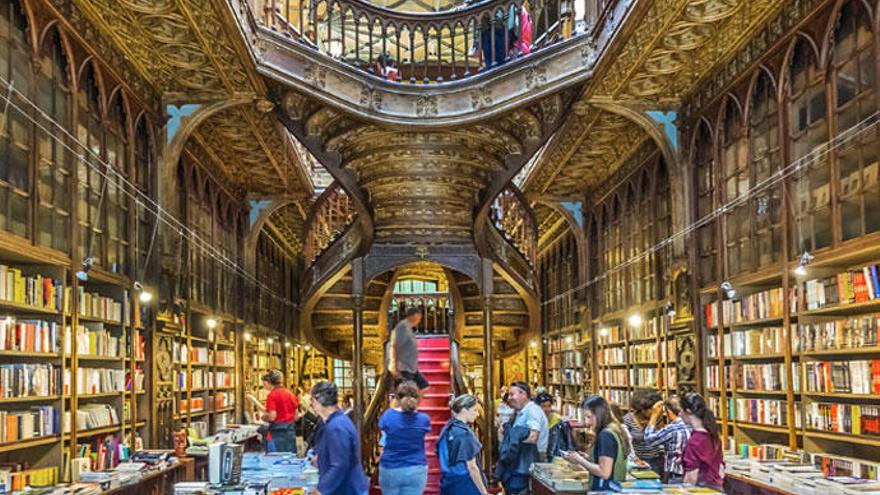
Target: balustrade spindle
(439, 77)
(467, 56)
(452, 44)
(357, 36)
(313, 22)
(399, 60)
(372, 60)
(329, 42)
(300, 4)
(412, 55)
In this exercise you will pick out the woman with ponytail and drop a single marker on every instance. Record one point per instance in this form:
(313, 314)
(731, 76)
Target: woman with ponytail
(611, 446)
(403, 467)
(703, 457)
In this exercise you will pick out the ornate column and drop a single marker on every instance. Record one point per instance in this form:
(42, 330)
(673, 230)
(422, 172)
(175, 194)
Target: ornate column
(488, 358)
(357, 297)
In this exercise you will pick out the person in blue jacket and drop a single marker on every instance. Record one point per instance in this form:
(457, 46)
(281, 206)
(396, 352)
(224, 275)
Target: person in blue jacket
(459, 451)
(337, 447)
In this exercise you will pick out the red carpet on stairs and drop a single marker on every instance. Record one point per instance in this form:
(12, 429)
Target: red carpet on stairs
(434, 364)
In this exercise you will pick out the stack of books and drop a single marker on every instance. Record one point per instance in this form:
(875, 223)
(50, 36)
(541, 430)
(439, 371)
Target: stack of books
(844, 418)
(852, 286)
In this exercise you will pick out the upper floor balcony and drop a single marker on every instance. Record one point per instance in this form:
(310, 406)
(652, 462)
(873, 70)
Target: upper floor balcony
(431, 47)
(428, 68)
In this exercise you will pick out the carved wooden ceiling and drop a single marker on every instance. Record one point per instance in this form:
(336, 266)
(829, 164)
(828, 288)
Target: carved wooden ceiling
(287, 225)
(673, 48)
(187, 52)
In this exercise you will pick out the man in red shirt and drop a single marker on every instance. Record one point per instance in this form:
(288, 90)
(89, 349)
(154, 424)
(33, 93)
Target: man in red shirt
(279, 412)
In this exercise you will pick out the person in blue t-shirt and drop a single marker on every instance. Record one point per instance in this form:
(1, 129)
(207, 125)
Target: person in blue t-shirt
(337, 447)
(403, 467)
(459, 451)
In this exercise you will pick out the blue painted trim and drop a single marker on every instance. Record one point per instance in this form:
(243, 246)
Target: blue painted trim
(667, 120)
(576, 208)
(175, 116)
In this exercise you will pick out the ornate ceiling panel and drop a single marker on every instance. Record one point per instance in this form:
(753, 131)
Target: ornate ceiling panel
(255, 154)
(188, 51)
(676, 45)
(547, 219)
(180, 46)
(288, 223)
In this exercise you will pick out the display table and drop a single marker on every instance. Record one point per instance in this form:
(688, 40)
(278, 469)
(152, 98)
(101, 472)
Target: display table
(741, 485)
(158, 482)
(540, 488)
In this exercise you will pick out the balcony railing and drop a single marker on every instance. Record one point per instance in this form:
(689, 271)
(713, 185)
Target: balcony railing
(437, 316)
(515, 221)
(430, 47)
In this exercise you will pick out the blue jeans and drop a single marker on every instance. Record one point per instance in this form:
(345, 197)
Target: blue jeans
(410, 480)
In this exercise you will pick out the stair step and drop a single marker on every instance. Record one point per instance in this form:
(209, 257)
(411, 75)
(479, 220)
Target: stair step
(433, 354)
(433, 342)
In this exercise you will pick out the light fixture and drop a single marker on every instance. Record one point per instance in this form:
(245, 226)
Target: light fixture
(211, 323)
(144, 296)
(533, 344)
(569, 339)
(87, 265)
(286, 344)
(669, 309)
(801, 269)
(270, 341)
(247, 336)
(728, 289)
(308, 347)
(635, 320)
(604, 332)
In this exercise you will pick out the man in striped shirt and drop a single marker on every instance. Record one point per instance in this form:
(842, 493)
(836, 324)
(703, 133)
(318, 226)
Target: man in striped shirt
(640, 404)
(671, 437)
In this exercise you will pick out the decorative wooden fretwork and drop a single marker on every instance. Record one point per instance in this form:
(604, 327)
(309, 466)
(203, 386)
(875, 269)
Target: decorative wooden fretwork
(332, 214)
(513, 217)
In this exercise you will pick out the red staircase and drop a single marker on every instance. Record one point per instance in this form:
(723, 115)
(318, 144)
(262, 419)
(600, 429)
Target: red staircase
(434, 365)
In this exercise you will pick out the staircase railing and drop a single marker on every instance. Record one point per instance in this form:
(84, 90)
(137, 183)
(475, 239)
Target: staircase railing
(331, 215)
(370, 434)
(514, 219)
(430, 47)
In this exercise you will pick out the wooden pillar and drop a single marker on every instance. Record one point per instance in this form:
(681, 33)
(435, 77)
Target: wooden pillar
(358, 354)
(488, 382)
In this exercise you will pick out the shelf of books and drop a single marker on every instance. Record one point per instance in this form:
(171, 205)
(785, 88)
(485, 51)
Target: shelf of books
(839, 338)
(35, 301)
(635, 352)
(749, 365)
(263, 351)
(568, 370)
(206, 366)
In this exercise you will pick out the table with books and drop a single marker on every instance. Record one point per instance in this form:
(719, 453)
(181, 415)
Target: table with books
(561, 478)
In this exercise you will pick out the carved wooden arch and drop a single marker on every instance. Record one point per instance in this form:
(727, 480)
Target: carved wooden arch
(91, 63)
(54, 28)
(827, 43)
(578, 231)
(729, 101)
(127, 120)
(172, 151)
(455, 296)
(784, 76)
(761, 70)
(641, 119)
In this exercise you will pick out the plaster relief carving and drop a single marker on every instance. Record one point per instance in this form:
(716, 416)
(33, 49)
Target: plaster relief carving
(426, 106)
